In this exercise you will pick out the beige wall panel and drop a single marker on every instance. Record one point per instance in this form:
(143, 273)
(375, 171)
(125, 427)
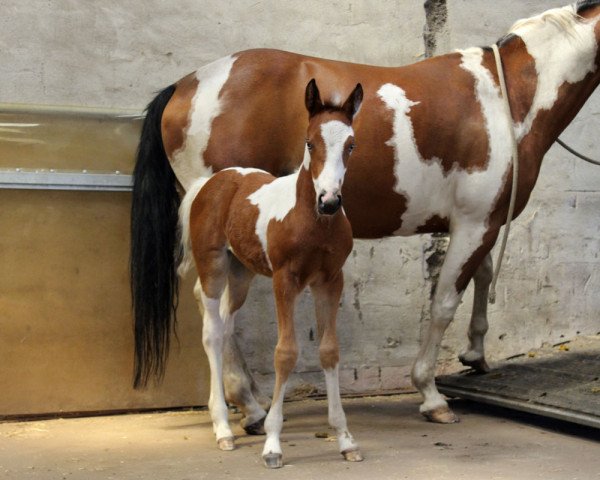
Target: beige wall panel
(65, 316)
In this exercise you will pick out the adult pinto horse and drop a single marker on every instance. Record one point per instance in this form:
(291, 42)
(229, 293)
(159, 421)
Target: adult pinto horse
(434, 156)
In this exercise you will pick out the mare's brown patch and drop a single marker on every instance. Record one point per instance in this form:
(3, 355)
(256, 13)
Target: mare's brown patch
(175, 118)
(263, 119)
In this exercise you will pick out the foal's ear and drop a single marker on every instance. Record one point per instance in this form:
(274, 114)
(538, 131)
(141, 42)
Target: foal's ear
(312, 98)
(352, 104)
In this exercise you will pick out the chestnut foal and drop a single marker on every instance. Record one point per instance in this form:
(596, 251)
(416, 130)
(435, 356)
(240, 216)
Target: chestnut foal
(244, 221)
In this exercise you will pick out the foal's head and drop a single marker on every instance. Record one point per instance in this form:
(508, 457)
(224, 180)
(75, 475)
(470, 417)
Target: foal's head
(329, 143)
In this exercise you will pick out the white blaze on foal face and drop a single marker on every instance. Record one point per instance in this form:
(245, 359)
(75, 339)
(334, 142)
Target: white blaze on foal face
(326, 156)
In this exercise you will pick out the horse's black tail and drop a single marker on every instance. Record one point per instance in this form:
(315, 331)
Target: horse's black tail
(153, 254)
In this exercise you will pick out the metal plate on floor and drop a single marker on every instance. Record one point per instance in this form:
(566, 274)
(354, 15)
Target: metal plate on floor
(561, 382)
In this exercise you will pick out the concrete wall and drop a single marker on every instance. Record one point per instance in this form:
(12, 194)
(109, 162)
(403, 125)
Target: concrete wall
(111, 54)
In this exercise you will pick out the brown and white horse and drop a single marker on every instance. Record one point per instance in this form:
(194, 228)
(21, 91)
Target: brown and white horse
(244, 221)
(434, 156)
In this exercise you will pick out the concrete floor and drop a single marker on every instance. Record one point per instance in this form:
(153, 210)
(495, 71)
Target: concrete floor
(489, 444)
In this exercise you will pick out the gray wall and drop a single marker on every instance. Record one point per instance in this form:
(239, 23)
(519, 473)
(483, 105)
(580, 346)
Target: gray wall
(111, 54)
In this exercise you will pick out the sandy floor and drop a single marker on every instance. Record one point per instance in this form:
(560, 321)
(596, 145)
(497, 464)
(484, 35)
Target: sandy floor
(397, 443)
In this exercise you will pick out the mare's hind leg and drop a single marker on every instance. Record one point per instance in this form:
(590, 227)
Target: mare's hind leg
(474, 356)
(327, 300)
(237, 381)
(213, 270)
(468, 246)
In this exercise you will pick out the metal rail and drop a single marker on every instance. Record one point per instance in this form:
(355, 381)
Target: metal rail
(65, 180)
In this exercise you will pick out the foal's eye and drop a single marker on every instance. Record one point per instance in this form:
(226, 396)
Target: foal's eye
(351, 147)
(309, 146)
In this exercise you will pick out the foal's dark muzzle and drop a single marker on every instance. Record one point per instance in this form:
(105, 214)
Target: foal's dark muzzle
(330, 206)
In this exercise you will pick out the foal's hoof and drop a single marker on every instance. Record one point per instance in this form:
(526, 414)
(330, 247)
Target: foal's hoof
(477, 364)
(257, 428)
(273, 460)
(226, 443)
(441, 415)
(352, 455)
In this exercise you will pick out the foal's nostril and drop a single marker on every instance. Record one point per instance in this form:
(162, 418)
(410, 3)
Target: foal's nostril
(330, 206)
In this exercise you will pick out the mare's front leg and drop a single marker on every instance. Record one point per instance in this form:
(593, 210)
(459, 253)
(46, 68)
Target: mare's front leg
(286, 289)
(469, 244)
(327, 300)
(474, 356)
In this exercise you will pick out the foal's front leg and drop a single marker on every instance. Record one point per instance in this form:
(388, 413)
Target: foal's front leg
(286, 353)
(327, 299)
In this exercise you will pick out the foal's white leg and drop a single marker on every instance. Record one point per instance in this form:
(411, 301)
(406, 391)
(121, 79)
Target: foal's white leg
(337, 418)
(474, 356)
(327, 299)
(464, 244)
(213, 332)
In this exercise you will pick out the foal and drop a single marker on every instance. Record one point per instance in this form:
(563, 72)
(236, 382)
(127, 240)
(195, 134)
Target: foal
(244, 221)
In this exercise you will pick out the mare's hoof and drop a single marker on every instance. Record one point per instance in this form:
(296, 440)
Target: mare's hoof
(226, 443)
(479, 365)
(273, 460)
(352, 455)
(257, 428)
(441, 415)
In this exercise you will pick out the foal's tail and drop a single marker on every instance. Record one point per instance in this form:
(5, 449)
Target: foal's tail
(154, 250)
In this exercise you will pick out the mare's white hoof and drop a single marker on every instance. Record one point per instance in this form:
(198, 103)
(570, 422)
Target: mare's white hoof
(273, 460)
(226, 443)
(353, 455)
(441, 415)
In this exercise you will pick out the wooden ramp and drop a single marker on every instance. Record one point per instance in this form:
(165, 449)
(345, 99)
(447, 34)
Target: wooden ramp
(561, 382)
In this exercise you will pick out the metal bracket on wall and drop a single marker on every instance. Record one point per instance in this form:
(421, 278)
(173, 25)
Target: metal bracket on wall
(65, 180)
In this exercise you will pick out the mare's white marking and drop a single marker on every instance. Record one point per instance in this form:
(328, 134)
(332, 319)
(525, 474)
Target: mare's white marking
(184, 224)
(564, 49)
(334, 134)
(245, 171)
(458, 194)
(274, 201)
(188, 163)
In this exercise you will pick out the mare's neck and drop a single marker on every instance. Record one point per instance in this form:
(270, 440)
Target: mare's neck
(549, 79)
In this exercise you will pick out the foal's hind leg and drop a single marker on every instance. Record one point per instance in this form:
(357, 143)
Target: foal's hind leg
(327, 300)
(236, 378)
(474, 356)
(213, 269)
(468, 246)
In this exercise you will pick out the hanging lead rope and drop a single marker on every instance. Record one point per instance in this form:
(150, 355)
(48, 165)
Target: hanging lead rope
(515, 160)
(576, 153)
